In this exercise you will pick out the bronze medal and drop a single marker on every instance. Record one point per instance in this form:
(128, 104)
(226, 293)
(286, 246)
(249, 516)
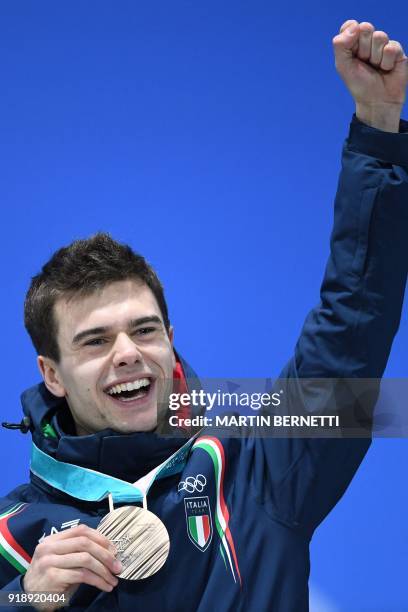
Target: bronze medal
(140, 538)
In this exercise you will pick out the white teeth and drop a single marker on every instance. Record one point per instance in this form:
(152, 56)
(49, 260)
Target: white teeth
(130, 386)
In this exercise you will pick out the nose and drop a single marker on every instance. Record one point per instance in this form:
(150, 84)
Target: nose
(126, 351)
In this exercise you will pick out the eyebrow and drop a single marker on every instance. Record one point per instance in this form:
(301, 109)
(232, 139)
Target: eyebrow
(95, 331)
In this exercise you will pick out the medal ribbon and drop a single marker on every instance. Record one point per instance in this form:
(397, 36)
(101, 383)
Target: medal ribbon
(91, 485)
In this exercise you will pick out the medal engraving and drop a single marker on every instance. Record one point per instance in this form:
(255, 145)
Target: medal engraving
(140, 538)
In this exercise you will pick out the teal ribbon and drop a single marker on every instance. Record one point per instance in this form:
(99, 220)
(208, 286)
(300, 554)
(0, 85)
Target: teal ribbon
(90, 485)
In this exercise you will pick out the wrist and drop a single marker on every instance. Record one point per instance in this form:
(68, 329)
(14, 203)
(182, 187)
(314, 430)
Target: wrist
(385, 117)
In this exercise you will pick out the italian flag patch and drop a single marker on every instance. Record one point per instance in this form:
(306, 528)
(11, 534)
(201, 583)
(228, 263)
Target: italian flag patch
(199, 524)
(200, 530)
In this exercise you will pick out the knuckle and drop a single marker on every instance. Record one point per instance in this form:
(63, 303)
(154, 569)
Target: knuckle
(45, 548)
(85, 558)
(79, 531)
(337, 41)
(389, 50)
(43, 563)
(108, 557)
(104, 575)
(105, 541)
(348, 23)
(380, 36)
(52, 575)
(82, 574)
(40, 549)
(83, 542)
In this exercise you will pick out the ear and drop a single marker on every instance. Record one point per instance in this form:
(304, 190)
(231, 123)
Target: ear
(171, 338)
(50, 374)
(171, 335)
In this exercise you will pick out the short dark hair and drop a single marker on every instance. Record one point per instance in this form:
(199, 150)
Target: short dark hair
(79, 269)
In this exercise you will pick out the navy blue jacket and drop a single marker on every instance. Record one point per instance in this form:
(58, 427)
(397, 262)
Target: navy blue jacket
(266, 496)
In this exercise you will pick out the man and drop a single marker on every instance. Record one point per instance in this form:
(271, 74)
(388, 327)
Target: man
(99, 321)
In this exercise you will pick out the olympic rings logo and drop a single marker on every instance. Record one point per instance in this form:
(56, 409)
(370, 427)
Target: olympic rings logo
(192, 484)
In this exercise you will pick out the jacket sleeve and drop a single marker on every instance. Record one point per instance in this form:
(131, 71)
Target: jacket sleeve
(10, 576)
(349, 334)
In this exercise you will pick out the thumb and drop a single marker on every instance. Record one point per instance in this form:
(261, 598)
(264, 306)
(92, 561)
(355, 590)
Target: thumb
(345, 43)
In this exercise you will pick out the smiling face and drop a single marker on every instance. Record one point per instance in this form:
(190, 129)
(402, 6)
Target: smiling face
(117, 359)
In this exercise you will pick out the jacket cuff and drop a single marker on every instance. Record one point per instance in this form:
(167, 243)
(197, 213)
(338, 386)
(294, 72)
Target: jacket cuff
(385, 146)
(14, 585)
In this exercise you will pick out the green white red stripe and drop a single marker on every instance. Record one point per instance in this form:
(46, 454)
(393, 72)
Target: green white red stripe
(10, 549)
(215, 450)
(199, 529)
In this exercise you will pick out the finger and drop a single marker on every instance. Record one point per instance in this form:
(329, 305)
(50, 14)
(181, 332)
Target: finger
(392, 53)
(85, 576)
(81, 544)
(378, 42)
(351, 25)
(347, 24)
(81, 560)
(365, 40)
(79, 576)
(344, 44)
(80, 530)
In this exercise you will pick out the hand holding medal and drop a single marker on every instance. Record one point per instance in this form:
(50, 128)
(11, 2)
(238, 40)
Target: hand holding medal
(140, 539)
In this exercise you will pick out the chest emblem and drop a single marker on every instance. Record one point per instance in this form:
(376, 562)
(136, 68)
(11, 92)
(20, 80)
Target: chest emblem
(199, 523)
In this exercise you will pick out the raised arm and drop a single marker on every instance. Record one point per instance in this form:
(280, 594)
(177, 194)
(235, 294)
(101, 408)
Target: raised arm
(348, 335)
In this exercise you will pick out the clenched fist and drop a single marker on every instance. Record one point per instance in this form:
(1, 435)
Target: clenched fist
(375, 71)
